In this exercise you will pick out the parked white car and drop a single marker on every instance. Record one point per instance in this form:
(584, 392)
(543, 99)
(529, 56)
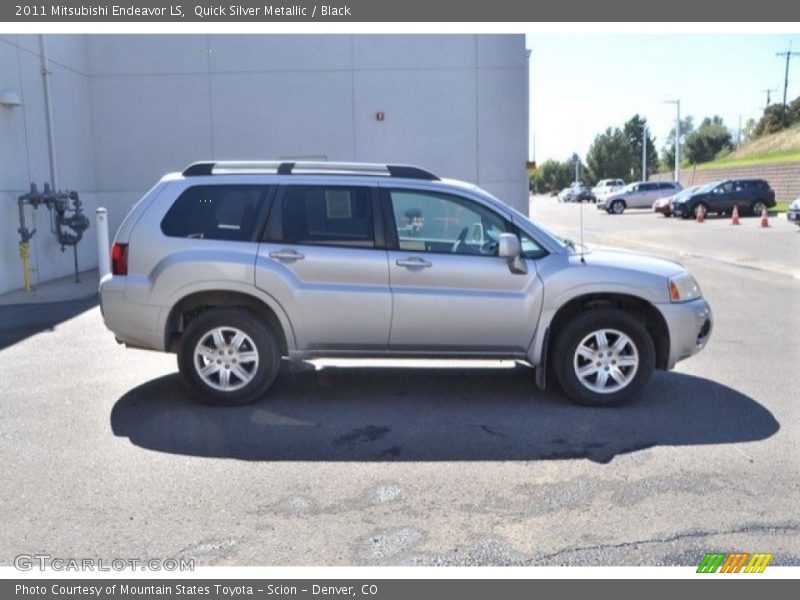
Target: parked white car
(793, 214)
(607, 186)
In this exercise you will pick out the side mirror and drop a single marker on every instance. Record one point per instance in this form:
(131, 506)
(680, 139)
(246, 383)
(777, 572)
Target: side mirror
(509, 247)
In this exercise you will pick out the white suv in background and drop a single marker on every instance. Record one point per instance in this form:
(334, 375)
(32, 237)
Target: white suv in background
(607, 186)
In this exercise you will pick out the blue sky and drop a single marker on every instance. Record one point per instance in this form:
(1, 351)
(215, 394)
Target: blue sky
(581, 84)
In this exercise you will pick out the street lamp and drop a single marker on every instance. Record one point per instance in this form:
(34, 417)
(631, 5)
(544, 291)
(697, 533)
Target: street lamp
(677, 104)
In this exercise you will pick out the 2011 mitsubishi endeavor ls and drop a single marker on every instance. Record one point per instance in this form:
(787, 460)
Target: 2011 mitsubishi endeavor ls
(235, 265)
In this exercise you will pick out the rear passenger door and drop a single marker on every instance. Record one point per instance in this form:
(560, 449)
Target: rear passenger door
(323, 259)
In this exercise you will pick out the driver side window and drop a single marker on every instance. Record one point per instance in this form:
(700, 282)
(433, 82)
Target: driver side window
(444, 223)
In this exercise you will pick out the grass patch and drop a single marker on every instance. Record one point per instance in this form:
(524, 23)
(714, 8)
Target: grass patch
(780, 207)
(777, 156)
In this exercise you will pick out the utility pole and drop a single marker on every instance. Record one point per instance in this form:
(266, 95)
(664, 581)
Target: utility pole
(739, 133)
(788, 54)
(677, 104)
(769, 94)
(644, 152)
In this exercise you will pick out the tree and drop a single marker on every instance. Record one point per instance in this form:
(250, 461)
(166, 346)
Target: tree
(633, 131)
(553, 175)
(609, 156)
(708, 140)
(793, 113)
(748, 131)
(618, 152)
(772, 121)
(668, 151)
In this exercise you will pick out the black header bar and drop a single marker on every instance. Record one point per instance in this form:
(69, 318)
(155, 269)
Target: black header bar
(354, 11)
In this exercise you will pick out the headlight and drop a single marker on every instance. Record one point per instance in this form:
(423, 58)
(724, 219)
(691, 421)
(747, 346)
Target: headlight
(683, 287)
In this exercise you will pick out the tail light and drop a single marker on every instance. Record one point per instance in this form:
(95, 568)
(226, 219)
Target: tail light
(119, 259)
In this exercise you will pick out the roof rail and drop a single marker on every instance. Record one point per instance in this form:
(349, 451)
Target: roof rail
(306, 168)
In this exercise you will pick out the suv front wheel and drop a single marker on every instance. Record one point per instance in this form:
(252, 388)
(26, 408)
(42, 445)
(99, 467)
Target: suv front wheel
(603, 357)
(617, 207)
(229, 356)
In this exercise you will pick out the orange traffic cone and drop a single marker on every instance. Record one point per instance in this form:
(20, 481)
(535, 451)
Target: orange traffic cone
(700, 213)
(735, 216)
(764, 218)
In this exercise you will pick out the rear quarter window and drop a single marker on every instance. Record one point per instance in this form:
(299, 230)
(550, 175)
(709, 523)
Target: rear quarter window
(216, 212)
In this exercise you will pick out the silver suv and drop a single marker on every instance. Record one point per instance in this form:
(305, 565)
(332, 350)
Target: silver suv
(234, 266)
(641, 194)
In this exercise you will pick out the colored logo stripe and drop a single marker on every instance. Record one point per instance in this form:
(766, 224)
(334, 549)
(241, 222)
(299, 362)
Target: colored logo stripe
(734, 562)
(758, 563)
(710, 563)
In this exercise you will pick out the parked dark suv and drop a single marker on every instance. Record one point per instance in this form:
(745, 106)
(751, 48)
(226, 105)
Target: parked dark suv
(750, 195)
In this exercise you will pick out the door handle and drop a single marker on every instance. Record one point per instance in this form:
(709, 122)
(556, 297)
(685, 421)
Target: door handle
(414, 262)
(287, 255)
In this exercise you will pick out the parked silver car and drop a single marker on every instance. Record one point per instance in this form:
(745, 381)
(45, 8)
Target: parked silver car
(235, 265)
(640, 194)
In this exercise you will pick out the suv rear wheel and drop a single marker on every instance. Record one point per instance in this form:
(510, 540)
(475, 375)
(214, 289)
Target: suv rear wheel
(229, 356)
(757, 208)
(603, 357)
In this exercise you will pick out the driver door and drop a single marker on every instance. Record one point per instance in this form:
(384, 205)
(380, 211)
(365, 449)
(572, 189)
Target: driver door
(450, 290)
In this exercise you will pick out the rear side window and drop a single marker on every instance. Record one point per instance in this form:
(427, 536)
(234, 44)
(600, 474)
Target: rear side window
(216, 212)
(328, 215)
(755, 184)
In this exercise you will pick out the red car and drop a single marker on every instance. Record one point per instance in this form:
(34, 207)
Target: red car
(664, 205)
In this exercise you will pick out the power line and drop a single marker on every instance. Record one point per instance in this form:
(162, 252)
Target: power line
(788, 54)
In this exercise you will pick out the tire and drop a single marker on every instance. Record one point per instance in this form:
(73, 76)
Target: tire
(757, 208)
(577, 338)
(617, 207)
(240, 374)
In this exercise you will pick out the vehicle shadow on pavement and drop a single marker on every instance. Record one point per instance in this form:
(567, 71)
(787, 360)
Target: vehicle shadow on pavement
(426, 414)
(21, 321)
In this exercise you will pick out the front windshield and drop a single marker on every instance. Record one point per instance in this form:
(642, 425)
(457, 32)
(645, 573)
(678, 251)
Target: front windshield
(628, 188)
(560, 241)
(707, 187)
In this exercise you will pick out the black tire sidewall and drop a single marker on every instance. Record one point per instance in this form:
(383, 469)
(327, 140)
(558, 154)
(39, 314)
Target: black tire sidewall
(269, 356)
(576, 330)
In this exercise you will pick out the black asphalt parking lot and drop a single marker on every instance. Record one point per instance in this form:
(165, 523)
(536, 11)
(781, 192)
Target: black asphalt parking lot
(413, 463)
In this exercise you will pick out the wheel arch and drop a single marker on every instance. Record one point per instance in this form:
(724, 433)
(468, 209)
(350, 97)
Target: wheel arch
(647, 313)
(196, 303)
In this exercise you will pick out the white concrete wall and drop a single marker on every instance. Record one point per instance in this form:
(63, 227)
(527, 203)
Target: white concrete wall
(131, 107)
(24, 152)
